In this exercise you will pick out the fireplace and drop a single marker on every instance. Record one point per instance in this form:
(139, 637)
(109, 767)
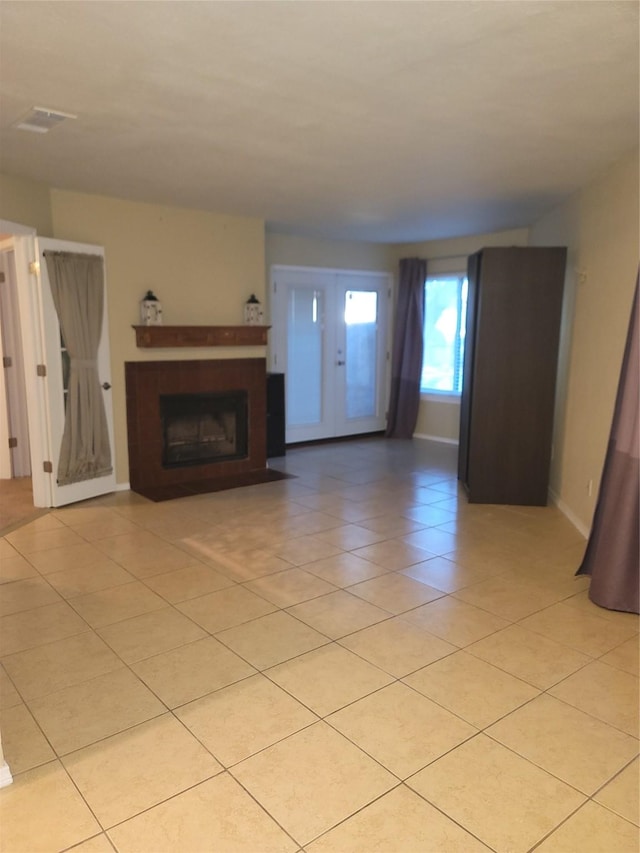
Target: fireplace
(200, 428)
(195, 426)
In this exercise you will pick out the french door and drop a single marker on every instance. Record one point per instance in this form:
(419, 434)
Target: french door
(47, 373)
(329, 338)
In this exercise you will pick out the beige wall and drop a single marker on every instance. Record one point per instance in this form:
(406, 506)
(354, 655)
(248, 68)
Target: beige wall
(438, 418)
(202, 266)
(441, 418)
(26, 202)
(451, 255)
(297, 251)
(600, 227)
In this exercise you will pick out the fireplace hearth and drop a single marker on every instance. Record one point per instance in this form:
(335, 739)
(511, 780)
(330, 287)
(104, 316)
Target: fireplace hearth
(196, 426)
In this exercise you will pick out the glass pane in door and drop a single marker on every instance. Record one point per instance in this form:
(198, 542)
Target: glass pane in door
(305, 311)
(361, 321)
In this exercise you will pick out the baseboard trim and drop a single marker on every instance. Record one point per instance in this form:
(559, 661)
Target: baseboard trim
(333, 439)
(123, 487)
(439, 438)
(569, 515)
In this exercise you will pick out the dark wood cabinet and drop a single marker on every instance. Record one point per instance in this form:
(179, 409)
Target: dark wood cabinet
(276, 420)
(514, 307)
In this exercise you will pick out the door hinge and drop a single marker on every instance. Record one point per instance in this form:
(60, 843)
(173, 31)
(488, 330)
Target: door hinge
(13, 442)
(34, 267)
(1, 278)
(41, 369)
(388, 356)
(6, 361)
(275, 286)
(47, 467)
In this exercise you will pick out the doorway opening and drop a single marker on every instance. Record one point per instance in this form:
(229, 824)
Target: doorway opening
(17, 504)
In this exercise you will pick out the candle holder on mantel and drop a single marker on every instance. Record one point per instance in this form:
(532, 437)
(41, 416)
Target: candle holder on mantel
(150, 310)
(253, 313)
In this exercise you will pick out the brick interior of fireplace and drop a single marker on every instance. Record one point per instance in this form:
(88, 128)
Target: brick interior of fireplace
(200, 428)
(224, 411)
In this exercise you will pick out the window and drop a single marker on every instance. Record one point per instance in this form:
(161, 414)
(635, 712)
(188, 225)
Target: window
(445, 310)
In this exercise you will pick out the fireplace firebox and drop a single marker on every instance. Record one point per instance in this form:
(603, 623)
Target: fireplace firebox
(201, 428)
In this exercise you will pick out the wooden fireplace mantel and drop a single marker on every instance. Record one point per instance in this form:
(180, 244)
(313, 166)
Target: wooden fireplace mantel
(201, 336)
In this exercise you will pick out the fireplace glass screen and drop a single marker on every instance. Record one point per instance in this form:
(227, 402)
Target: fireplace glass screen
(201, 428)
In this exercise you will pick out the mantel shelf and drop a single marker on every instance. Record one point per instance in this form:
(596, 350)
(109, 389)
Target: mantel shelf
(201, 336)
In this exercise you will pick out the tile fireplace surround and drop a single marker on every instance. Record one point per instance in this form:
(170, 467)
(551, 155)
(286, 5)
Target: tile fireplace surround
(147, 381)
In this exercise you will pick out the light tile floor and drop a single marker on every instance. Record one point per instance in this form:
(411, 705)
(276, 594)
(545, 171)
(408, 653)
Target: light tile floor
(352, 660)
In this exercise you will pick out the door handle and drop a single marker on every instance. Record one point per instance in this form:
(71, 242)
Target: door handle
(106, 386)
(340, 363)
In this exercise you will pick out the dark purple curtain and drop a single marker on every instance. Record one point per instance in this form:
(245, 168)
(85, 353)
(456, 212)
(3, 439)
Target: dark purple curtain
(406, 364)
(612, 557)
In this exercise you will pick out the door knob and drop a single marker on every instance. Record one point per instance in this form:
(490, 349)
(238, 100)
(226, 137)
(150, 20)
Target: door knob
(106, 386)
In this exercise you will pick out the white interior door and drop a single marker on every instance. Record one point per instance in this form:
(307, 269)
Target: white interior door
(46, 371)
(14, 396)
(330, 339)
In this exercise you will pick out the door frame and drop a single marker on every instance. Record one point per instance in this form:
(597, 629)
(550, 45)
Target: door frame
(30, 306)
(14, 462)
(8, 231)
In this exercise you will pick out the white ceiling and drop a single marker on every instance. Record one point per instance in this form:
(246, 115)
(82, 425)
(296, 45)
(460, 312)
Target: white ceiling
(384, 121)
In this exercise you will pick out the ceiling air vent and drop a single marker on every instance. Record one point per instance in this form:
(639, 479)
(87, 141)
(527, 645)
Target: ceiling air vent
(42, 119)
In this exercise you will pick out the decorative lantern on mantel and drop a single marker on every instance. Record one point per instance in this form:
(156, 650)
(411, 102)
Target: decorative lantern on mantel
(150, 310)
(253, 313)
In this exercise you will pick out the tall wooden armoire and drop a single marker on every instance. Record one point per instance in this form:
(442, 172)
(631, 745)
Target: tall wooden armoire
(510, 363)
